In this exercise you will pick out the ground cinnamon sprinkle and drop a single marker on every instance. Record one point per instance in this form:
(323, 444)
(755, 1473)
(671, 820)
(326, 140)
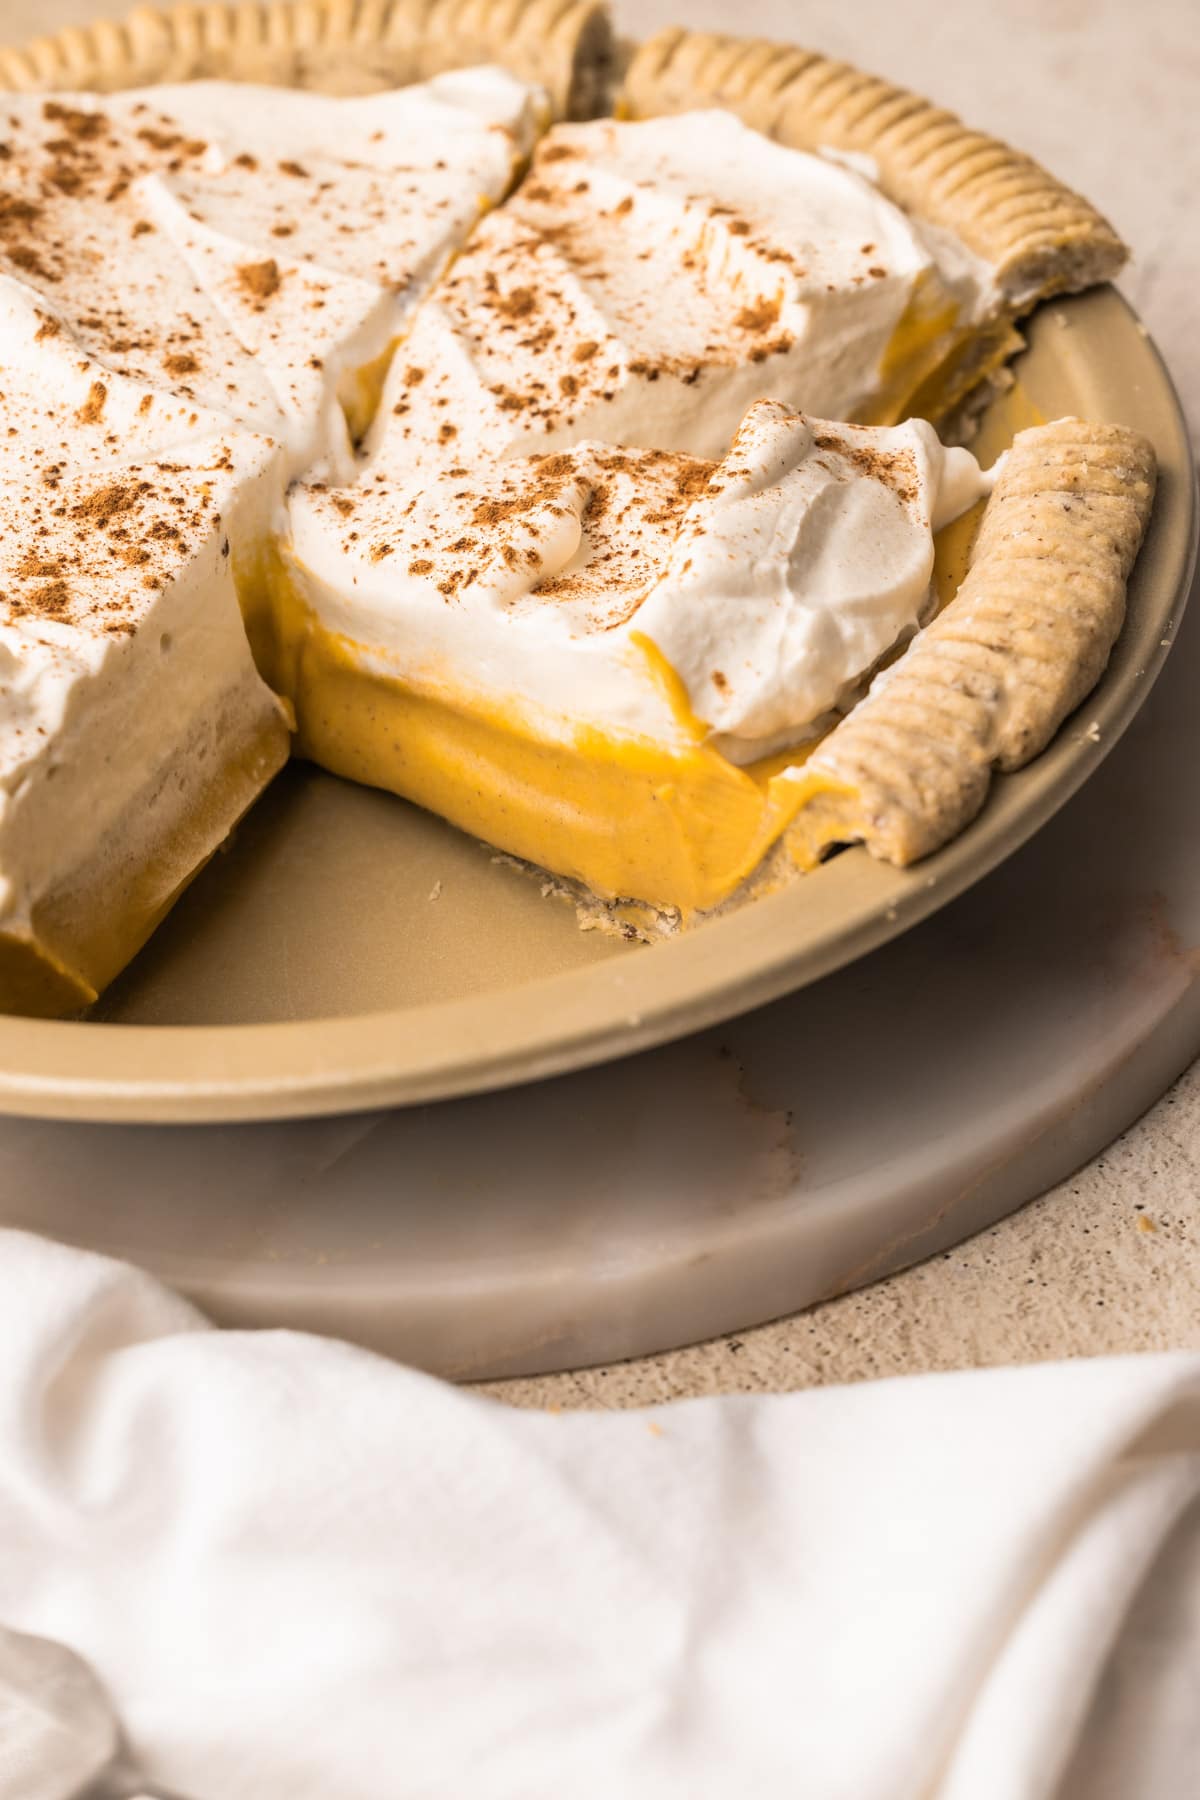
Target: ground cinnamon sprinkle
(14, 210)
(762, 316)
(106, 503)
(259, 279)
(897, 469)
(517, 305)
(32, 563)
(93, 407)
(65, 177)
(52, 600)
(26, 258)
(79, 125)
(78, 549)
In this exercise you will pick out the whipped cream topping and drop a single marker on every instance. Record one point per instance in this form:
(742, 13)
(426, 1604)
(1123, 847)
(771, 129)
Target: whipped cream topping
(772, 583)
(513, 583)
(644, 285)
(252, 249)
(808, 558)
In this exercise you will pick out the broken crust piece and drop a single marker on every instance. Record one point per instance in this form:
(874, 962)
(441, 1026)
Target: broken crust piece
(1024, 641)
(333, 46)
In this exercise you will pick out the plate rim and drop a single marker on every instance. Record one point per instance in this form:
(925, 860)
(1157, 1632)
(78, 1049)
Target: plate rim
(158, 1074)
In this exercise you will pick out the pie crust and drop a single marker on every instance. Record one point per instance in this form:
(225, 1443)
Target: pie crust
(333, 46)
(1028, 635)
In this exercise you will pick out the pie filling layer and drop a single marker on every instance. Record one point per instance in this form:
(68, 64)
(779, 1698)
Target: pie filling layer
(673, 824)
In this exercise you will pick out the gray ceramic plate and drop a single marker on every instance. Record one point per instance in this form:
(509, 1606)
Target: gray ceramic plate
(350, 952)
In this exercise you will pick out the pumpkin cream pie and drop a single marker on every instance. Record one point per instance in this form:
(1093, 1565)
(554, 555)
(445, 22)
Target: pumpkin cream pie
(989, 214)
(552, 442)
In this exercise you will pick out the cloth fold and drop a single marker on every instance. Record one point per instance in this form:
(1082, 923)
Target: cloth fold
(301, 1571)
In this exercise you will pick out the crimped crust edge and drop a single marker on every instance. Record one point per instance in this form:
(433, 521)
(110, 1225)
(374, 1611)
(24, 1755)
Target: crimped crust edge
(334, 46)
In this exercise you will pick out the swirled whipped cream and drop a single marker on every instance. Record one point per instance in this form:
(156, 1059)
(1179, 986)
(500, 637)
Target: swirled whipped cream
(253, 250)
(645, 284)
(771, 583)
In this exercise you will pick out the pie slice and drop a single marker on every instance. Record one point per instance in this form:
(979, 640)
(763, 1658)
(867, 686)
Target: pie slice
(134, 727)
(645, 672)
(1016, 232)
(255, 250)
(611, 662)
(785, 275)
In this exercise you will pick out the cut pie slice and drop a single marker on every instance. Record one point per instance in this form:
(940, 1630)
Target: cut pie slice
(645, 672)
(134, 728)
(611, 662)
(1021, 234)
(646, 283)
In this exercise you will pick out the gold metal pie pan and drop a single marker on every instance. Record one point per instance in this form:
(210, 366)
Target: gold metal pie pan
(348, 951)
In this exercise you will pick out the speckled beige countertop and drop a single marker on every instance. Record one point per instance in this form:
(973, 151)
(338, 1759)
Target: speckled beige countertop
(1109, 1261)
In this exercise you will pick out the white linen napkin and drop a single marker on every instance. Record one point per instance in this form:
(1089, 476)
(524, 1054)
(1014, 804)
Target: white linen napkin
(302, 1572)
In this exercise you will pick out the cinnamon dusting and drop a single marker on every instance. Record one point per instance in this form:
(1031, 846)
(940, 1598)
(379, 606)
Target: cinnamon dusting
(896, 469)
(92, 409)
(259, 280)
